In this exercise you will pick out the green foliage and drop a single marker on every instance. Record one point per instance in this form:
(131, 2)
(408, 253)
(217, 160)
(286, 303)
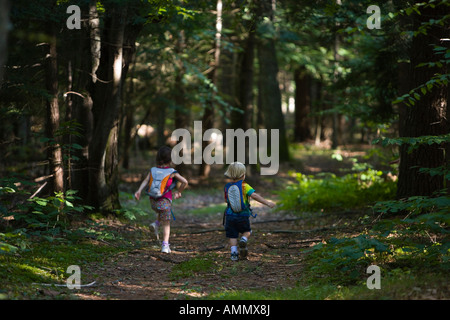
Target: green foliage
(11, 242)
(392, 245)
(419, 241)
(327, 191)
(193, 266)
(48, 218)
(310, 292)
(413, 142)
(417, 205)
(344, 260)
(50, 215)
(46, 262)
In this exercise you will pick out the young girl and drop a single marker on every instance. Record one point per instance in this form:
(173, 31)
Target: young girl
(163, 205)
(238, 222)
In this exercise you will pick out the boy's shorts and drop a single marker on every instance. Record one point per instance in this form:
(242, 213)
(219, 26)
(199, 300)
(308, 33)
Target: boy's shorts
(163, 207)
(235, 225)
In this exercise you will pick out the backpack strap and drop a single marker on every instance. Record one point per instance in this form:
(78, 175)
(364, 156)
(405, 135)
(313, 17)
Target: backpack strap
(249, 206)
(172, 185)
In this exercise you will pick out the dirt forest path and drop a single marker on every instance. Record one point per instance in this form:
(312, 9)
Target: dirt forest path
(274, 261)
(200, 264)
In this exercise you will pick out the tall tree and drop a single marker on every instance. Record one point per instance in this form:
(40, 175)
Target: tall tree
(208, 114)
(4, 29)
(105, 109)
(302, 104)
(52, 126)
(268, 87)
(84, 57)
(428, 115)
(246, 75)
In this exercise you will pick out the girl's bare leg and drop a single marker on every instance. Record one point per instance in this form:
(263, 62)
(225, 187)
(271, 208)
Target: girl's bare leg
(166, 230)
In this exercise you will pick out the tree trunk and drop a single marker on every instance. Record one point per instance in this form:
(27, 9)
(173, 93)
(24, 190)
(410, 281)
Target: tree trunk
(182, 108)
(302, 105)
(129, 57)
(244, 93)
(426, 117)
(245, 88)
(54, 145)
(208, 114)
(106, 106)
(127, 123)
(161, 115)
(84, 65)
(269, 89)
(4, 29)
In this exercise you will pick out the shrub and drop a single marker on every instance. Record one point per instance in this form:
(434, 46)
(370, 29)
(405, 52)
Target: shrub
(329, 192)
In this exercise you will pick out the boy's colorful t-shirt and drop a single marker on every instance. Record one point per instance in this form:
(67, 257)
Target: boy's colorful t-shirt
(247, 191)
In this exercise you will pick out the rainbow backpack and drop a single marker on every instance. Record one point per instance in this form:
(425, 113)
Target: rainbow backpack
(157, 186)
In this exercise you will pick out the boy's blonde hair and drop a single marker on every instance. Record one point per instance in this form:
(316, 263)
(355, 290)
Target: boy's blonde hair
(235, 171)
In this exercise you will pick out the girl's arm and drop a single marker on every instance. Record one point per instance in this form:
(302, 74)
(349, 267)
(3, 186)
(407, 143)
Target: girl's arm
(183, 185)
(260, 199)
(137, 195)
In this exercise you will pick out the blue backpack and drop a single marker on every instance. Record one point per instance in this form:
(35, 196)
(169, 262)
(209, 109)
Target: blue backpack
(235, 200)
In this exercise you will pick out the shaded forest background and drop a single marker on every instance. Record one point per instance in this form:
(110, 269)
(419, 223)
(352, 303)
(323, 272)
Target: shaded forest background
(79, 107)
(76, 102)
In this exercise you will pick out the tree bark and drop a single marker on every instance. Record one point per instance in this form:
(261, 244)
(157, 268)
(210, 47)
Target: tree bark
(302, 105)
(269, 89)
(182, 108)
(208, 114)
(426, 117)
(85, 52)
(245, 88)
(4, 29)
(106, 106)
(51, 84)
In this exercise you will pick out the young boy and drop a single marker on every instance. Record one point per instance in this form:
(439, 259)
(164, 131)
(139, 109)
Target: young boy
(237, 218)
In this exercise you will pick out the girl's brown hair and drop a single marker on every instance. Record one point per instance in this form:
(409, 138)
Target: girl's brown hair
(164, 156)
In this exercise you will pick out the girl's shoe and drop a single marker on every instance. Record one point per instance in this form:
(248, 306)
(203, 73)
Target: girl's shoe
(243, 251)
(155, 229)
(165, 247)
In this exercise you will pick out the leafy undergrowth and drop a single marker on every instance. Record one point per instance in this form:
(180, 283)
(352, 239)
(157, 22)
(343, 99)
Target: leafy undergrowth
(32, 273)
(319, 246)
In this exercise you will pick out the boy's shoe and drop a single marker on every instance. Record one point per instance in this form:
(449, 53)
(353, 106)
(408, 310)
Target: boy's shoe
(234, 256)
(165, 248)
(155, 229)
(243, 251)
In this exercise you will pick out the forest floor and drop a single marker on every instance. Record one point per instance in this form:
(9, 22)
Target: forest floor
(199, 264)
(120, 257)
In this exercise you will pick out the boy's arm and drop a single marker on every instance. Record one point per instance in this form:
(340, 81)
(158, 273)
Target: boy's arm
(260, 199)
(137, 195)
(183, 185)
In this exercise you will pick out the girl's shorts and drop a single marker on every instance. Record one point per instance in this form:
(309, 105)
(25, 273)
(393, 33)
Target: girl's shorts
(163, 207)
